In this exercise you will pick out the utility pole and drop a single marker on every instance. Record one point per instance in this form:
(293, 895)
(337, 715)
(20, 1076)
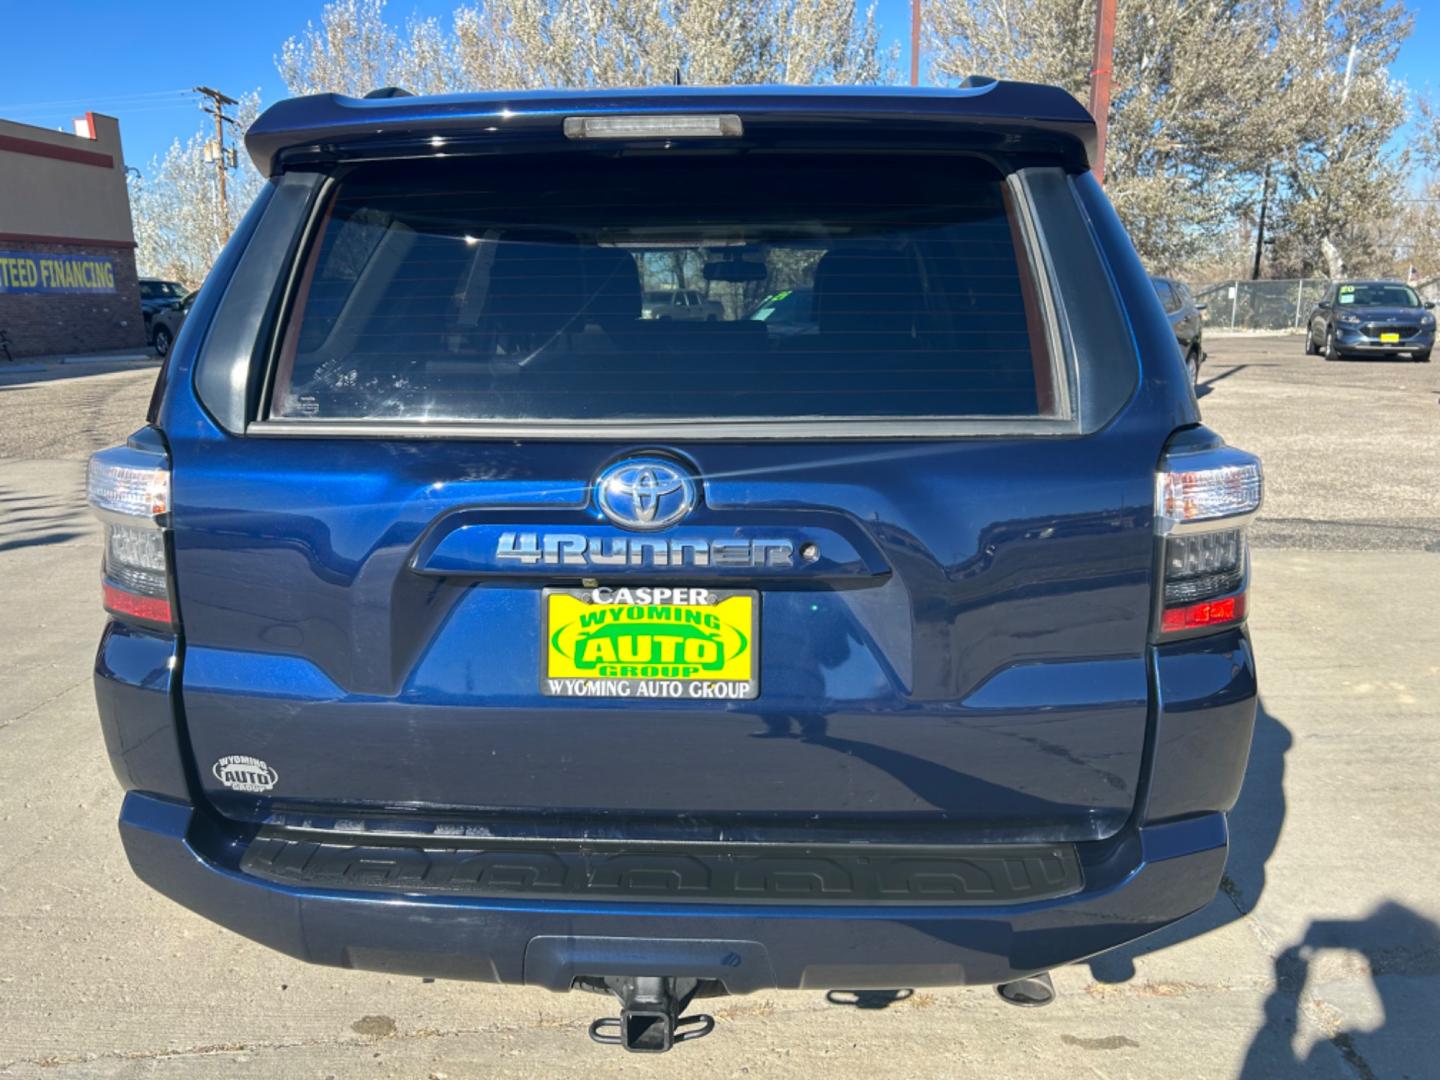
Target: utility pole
(914, 42)
(1260, 225)
(1100, 72)
(216, 152)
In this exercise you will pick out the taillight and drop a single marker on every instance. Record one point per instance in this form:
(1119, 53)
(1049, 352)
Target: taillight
(128, 487)
(1204, 499)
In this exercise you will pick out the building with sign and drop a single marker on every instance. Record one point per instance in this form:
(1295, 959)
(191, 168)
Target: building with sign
(67, 247)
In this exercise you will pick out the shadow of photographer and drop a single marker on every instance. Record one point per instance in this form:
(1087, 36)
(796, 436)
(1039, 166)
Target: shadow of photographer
(1401, 952)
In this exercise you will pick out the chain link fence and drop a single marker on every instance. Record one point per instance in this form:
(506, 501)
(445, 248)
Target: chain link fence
(1278, 304)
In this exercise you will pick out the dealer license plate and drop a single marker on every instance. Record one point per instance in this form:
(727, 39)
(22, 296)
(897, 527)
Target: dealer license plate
(651, 642)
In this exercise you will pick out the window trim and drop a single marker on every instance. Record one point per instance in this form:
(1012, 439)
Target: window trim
(693, 429)
(281, 339)
(1031, 255)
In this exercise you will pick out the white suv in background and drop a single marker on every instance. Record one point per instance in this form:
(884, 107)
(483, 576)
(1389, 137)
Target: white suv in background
(681, 304)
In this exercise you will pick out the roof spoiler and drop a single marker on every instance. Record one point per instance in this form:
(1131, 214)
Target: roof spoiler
(986, 113)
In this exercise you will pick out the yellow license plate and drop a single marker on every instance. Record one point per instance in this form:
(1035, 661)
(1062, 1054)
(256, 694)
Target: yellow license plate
(683, 643)
(1387, 338)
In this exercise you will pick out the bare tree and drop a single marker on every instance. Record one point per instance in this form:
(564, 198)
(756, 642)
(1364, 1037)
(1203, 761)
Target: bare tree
(1184, 129)
(1411, 237)
(1340, 184)
(1208, 94)
(175, 205)
(354, 50)
(527, 44)
(1427, 117)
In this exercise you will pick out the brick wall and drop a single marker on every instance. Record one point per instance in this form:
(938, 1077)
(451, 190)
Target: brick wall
(39, 324)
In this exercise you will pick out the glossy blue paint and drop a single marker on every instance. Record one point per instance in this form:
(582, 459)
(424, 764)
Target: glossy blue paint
(1157, 875)
(1136, 882)
(872, 685)
(134, 680)
(1207, 695)
(970, 659)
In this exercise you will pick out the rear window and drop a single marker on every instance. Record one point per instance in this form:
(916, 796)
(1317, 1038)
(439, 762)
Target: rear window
(654, 287)
(160, 290)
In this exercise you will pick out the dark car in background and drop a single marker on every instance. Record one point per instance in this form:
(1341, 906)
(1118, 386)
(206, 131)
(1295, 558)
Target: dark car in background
(165, 327)
(1370, 318)
(157, 295)
(1185, 319)
(467, 623)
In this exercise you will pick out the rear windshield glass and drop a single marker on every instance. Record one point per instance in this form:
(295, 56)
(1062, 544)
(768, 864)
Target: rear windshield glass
(608, 288)
(160, 290)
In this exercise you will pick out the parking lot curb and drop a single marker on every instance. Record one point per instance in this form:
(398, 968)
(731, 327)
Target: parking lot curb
(20, 369)
(106, 359)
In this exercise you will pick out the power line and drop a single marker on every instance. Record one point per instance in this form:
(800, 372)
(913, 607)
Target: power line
(107, 99)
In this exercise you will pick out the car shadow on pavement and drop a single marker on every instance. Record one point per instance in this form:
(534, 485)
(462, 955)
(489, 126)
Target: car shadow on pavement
(1204, 386)
(41, 540)
(35, 521)
(1255, 825)
(1401, 952)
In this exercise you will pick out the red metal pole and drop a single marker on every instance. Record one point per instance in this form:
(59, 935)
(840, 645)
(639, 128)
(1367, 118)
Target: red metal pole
(1100, 79)
(914, 42)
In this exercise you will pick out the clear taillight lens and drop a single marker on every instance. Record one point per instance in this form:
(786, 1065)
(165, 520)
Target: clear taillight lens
(129, 489)
(124, 480)
(1204, 499)
(1207, 485)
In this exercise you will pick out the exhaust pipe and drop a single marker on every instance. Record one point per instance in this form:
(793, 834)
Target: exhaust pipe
(1030, 992)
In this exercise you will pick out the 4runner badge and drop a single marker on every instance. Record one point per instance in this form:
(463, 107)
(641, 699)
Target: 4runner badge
(241, 773)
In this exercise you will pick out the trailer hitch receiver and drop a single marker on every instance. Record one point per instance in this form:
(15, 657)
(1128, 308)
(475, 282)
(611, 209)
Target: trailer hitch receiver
(650, 1008)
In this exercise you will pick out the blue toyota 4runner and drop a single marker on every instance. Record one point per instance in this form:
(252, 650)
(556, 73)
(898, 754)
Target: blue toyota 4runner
(469, 624)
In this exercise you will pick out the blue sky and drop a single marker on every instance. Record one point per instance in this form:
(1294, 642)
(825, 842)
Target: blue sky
(138, 61)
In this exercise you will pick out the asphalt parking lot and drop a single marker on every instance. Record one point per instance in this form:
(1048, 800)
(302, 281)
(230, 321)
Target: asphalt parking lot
(1320, 957)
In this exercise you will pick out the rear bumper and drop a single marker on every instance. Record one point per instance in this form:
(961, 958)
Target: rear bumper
(1147, 879)
(1146, 876)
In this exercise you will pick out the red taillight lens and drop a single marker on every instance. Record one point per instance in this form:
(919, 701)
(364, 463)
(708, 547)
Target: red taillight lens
(150, 608)
(1207, 613)
(129, 489)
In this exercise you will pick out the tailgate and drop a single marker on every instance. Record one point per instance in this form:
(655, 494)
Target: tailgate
(956, 653)
(402, 583)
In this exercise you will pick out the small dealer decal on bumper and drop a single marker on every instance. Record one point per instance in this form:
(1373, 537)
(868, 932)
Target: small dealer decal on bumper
(239, 772)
